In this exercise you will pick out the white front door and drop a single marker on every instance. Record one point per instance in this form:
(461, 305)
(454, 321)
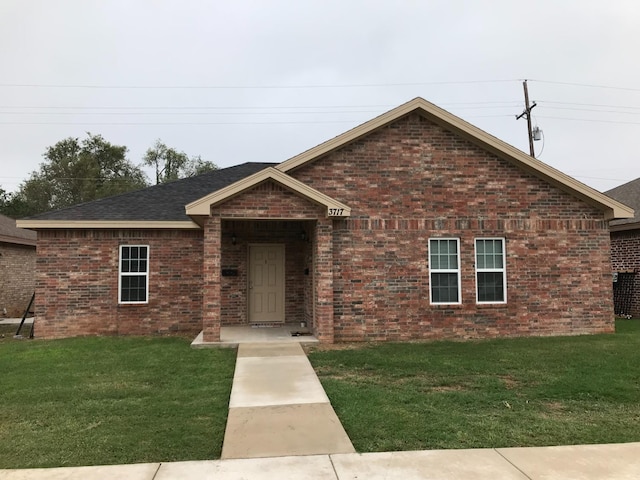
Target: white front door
(266, 283)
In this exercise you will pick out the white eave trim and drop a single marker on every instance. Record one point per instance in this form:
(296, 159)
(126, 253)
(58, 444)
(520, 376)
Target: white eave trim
(202, 206)
(611, 208)
(107, 224)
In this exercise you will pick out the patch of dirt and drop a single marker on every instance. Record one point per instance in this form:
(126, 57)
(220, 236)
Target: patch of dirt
(554, 406)
(448, 388)
(328, 347)
(509, 382)
(553, 410)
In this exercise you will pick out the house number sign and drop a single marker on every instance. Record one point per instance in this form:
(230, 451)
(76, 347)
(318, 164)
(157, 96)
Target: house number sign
(336, 212)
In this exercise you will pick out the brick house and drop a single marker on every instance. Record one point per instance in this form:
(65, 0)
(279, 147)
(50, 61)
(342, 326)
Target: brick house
(625, 251)
(17, 267)
(413, 225)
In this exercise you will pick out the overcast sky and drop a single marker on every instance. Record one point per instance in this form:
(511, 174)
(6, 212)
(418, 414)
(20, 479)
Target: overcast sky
(261, 81)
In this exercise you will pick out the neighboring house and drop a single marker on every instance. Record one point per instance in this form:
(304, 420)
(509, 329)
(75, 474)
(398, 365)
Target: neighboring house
(17, 267)
(625, 251)
(413, 225)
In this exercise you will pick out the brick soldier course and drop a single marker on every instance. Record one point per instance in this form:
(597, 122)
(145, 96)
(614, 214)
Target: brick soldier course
(358, 217)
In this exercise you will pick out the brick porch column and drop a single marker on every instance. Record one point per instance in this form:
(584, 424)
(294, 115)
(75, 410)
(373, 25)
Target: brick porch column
(323, 251)
(211, 280)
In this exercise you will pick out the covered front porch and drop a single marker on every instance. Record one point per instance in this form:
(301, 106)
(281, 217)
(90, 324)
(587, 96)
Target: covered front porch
(267, 255)
(267, 273)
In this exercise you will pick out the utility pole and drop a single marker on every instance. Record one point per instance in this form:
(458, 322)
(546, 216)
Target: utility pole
(527, 113)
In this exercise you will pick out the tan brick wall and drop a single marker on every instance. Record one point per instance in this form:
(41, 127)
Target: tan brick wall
(17, 278)
(77, 283)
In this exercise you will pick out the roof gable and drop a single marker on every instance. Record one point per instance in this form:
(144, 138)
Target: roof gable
(9, 233)
(202, 206)
(611, 208)
(163, 206)
(629, 194)
(159, 206)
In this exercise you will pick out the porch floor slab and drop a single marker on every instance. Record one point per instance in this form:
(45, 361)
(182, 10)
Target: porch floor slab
(232, 336)
(278, 406)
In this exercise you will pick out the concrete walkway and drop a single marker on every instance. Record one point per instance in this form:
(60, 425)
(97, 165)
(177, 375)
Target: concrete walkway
(589, 462)
(278, 406)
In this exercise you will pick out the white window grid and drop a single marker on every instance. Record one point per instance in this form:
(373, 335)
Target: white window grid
(138, 274)
(502, 270)
(445, 270)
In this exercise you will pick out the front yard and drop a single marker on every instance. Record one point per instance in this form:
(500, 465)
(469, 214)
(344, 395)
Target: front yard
(130, 400)
(95, 401)
(495, 393)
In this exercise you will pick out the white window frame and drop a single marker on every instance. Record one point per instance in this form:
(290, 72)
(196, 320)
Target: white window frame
(132, 274)
(444, 270)
(502, 270)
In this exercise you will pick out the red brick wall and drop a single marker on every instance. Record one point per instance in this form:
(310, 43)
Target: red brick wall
(625, 256)
(413, 180)
(17, 278)
(77, 283)
(405, 183)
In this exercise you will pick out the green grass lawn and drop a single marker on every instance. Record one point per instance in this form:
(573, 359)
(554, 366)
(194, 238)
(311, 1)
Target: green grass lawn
(92, 401)
(492, 393)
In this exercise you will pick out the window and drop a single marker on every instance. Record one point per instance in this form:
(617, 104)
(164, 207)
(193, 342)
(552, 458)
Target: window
(444, 268)
(134, 274)
(491, 274)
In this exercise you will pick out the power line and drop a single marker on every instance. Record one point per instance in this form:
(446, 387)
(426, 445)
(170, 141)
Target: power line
(589, 104)
(593, 110)
(244, 87)
(187, 113)
(588, 120)
(166, 112)
(292, 122)
(303, 86)
(184, 107)
(587, 85)
(178, 123)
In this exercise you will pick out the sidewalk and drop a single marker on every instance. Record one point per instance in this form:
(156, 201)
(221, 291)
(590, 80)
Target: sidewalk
(588, 462)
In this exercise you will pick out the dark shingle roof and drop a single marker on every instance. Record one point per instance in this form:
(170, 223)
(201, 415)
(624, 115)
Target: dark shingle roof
(9, 233)
(629, 194)
(163, 202)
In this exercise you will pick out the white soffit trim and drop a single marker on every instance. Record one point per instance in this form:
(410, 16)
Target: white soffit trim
(106, 224)
(611, 208)
(203, 205)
